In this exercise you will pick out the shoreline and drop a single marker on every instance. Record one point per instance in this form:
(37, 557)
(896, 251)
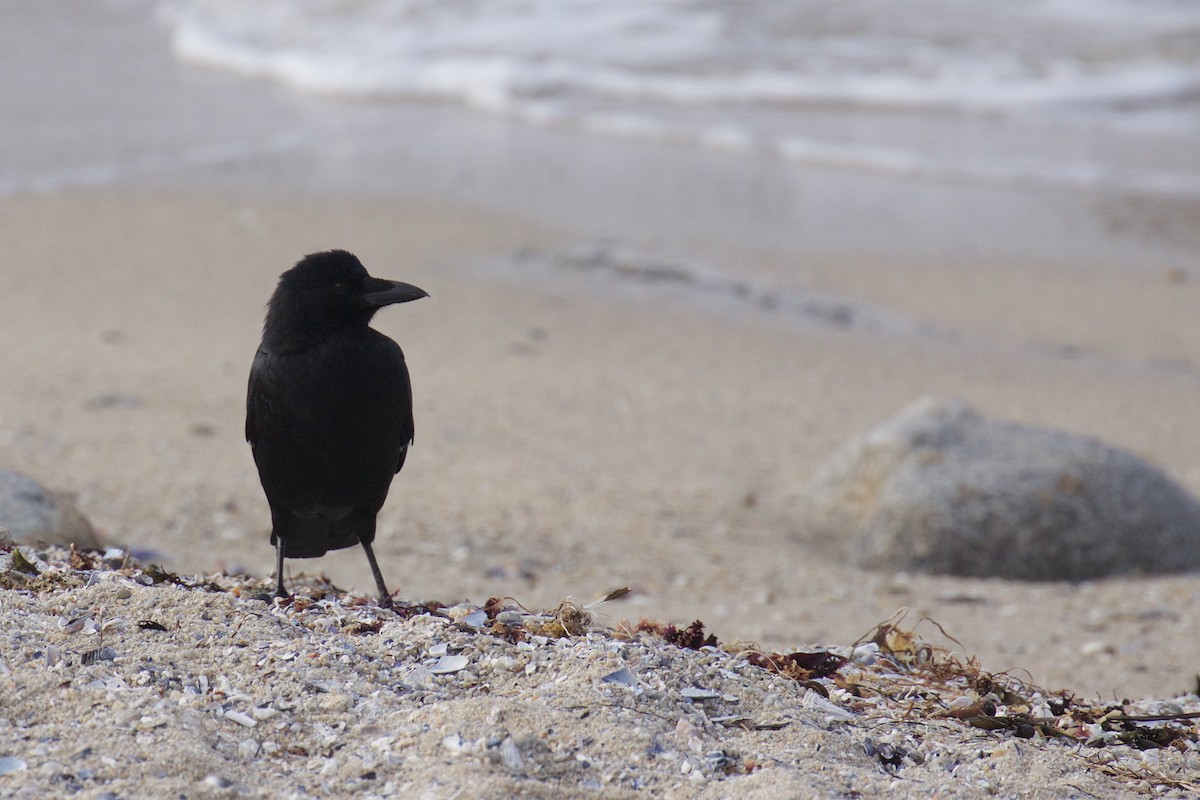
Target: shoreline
(151, 120)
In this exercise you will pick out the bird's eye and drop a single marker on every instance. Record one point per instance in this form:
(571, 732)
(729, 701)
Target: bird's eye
(341, 287)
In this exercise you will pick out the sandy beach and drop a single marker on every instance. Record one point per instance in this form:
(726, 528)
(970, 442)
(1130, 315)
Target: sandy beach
(574, 434)
(580, 430)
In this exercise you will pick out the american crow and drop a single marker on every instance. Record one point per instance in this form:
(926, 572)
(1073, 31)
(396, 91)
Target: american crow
(329, 408)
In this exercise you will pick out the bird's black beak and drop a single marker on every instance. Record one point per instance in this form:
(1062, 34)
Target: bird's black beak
(381, 293)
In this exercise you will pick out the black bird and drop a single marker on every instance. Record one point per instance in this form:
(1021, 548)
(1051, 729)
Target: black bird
(329, 408)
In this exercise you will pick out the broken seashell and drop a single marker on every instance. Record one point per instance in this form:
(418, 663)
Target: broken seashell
(448, 664)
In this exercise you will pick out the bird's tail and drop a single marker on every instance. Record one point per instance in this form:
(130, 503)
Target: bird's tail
(315, 535)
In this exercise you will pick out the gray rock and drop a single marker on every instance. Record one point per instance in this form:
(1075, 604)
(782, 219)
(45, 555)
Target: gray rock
(942, 489)
(32, 513)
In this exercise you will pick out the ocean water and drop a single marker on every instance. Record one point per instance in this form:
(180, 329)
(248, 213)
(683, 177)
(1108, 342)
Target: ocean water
(1076, 94)
(736, 134)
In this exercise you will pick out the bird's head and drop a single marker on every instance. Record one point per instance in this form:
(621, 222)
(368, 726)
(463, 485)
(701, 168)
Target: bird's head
(323, 294)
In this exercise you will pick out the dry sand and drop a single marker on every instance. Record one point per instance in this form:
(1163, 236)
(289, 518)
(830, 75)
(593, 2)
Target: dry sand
(577, 432)
(188, 688)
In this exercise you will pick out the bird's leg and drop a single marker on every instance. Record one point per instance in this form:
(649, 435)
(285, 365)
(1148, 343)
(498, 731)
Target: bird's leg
(279, 590)
(385, 596)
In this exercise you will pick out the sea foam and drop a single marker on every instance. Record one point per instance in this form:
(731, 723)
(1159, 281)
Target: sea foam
(747, 76)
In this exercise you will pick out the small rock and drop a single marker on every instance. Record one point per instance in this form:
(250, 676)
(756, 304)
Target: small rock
(32, 513)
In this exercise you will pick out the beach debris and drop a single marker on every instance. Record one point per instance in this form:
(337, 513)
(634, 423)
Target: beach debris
(692, 637)
(890, 756)
(12, 764)
(449, 664)
(510, 755)
(362, 627)
(22, 564)
(53, 655)
(943, 489)
(621, 677)
(241, 718)
(150, 625)
(476, 619)
(706, 711)
(99, 654)
(799, 666)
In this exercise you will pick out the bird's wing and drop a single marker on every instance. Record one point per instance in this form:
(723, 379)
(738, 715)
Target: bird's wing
(252, 396)
(410, 430)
